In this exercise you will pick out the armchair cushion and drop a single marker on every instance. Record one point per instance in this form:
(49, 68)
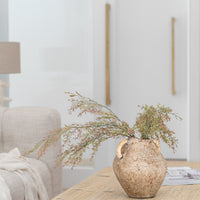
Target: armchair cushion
(2, 110)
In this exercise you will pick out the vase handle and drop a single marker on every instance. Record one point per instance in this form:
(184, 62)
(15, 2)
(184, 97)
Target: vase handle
(119, 147)
(157, 144)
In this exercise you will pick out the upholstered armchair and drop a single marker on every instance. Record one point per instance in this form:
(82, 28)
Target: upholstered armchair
(22, 127)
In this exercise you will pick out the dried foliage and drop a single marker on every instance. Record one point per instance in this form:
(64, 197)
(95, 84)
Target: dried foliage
(77, 138)
(151, 124)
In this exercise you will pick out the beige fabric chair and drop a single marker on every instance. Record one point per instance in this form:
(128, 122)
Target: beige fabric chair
(22, 127)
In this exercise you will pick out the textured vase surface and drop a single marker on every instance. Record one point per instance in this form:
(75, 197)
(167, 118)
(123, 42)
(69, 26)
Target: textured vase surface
(141, 169)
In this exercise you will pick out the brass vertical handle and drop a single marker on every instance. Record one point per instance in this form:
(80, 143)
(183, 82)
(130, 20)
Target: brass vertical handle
(107, 56)
(173, 55)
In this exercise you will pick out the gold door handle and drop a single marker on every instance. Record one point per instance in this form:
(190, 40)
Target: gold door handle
(173, 55)
(107, 56)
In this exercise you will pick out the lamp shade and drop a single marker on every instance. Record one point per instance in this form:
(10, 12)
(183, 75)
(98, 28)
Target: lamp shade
(9, 57)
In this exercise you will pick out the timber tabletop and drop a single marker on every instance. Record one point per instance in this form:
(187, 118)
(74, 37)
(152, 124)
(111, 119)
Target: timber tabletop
(104, 186)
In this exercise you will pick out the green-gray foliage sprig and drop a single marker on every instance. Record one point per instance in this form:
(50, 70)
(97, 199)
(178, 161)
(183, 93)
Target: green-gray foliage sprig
(77, 138)
(151, 124)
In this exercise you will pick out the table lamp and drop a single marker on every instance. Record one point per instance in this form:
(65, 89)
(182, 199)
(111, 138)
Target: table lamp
(9, 63)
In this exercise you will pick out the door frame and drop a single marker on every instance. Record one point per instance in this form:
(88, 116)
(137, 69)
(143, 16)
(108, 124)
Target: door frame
(193, 81)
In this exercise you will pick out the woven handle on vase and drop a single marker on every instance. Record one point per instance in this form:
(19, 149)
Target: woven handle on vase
(120, 145)
(157, 144)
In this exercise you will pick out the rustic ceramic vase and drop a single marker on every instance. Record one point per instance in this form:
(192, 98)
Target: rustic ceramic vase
(139, 167)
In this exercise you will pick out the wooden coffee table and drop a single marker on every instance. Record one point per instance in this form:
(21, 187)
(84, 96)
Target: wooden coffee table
(104, 186)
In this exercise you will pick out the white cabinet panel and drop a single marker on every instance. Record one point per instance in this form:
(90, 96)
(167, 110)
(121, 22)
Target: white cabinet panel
(143, 39)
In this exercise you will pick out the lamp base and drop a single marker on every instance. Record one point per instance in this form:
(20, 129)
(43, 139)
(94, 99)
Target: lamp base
(3, 98)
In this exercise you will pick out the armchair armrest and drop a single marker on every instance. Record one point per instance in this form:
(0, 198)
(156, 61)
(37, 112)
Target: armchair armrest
(23, 127)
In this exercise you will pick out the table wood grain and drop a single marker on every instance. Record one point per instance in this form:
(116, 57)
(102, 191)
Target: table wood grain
(104, 186)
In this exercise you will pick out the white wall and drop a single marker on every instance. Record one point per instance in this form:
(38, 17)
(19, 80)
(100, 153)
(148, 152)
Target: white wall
(56, 56)
(3, 20)
(4, 35)
(55, 52)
